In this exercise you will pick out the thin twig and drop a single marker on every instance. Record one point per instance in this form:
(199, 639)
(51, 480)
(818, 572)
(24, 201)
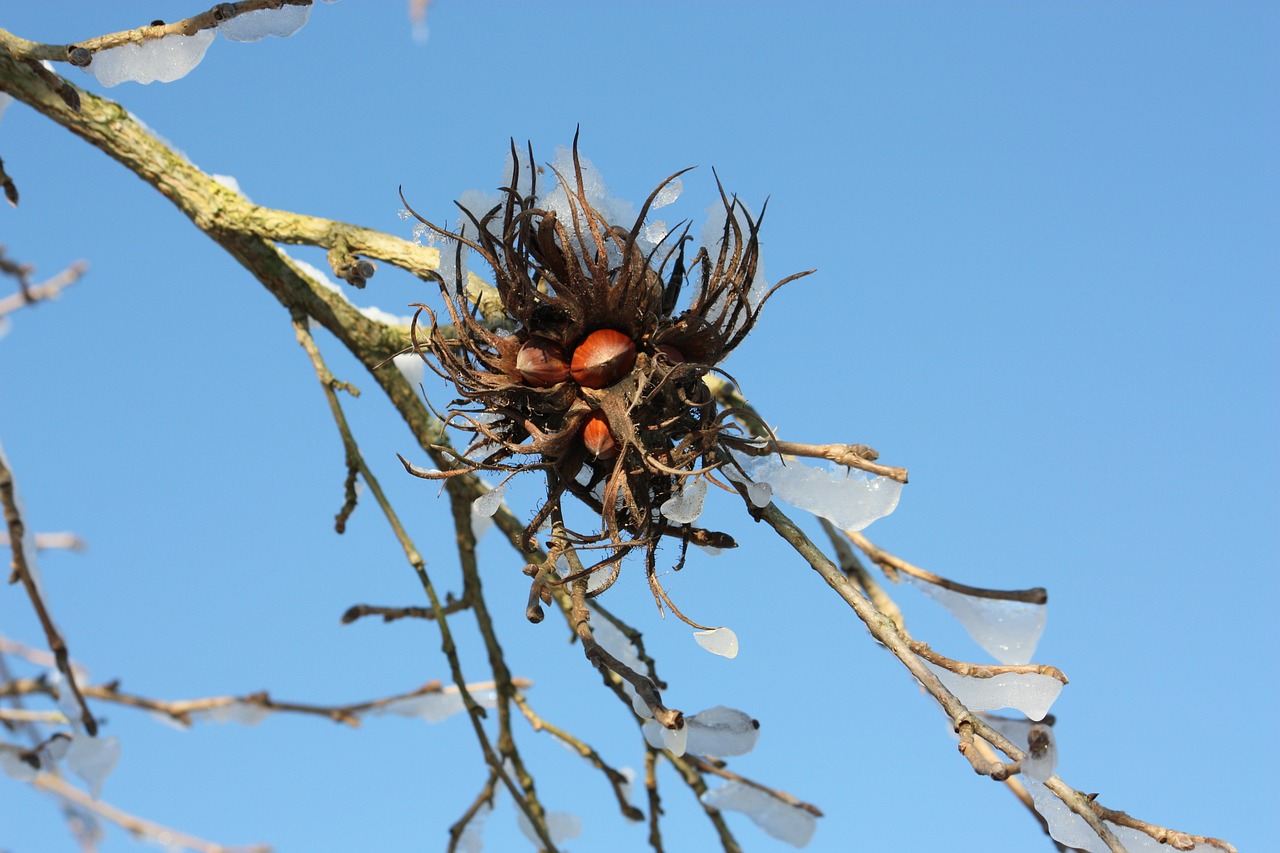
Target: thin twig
(137, 826)
(24, 573)
(781, 796)
(890, 564)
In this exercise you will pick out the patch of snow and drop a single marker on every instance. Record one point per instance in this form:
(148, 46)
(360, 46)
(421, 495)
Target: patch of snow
(668, 194)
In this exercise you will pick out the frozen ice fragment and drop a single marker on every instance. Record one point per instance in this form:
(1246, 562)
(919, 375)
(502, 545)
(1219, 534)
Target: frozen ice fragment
(244, 713)
(652, 731)
(668, 193)
(561, 826)
(685, 506)
(1029, 692)
(721, 732)
(432, 707)
(654, 232)
(675, 741)
(411, 367)
(719, 641)
(472, 840)
(785, 822)
(849, 499)
(164, 59)
(15, 768)
(5, 100)
(1036, 739)
(259, 24)
(1008, 630)
(92, 759)
(488, 503)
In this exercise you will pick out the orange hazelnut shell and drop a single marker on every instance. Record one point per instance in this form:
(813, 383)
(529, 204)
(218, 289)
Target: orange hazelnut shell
(598, 438)
(542, 362)
(603, 357)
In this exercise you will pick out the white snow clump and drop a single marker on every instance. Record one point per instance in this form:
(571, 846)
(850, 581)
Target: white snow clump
(164, 59)
(849, 499)
(259, 24)
(1029, 692)
(411, 367)
(788, 823)
(719, 641)
(668, 194)
(1008, 630)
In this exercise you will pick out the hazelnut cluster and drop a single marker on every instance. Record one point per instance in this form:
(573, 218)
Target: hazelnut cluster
(600, 384)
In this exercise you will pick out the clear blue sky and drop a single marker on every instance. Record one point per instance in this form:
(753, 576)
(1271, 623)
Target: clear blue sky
(1046, 243)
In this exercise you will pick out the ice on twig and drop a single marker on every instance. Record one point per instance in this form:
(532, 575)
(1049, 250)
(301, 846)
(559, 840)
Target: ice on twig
(472, 838)
(1036, 739)
(685, 506)
(261, 23)
(616, 643)
(488, 503)
(658, 736)
(243, 713)
(719, 641)
(784, 822)
(92, 759)
(14, 767)
(758, 493)
(668, 194)
(1029, 692)
(561, 826)
(1008, 630)
(435, 707)
(849, 499)
(164, 59)
(721, 732)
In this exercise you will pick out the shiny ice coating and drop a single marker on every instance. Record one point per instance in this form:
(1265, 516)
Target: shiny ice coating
(1029, 692)
(785, 822)
(1007, 630)
(849, 499)
(163, 59)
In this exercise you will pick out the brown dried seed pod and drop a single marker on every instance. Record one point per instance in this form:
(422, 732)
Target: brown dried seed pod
(598, 438)
(603, 357)
(542, 362)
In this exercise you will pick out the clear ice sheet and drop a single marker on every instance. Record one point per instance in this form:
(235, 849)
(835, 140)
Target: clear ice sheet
(784, 822)
(721, 731)
(163, 59)
(1007, 630)
(719, 641)
(93, 759)
(260, 24)
(1029, 692)
(685, 506)
(849, 499)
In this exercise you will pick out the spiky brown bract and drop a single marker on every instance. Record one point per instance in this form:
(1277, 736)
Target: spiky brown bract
(561, 278)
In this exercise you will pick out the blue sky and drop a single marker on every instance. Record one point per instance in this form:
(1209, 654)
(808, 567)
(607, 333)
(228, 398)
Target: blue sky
(1046, 243)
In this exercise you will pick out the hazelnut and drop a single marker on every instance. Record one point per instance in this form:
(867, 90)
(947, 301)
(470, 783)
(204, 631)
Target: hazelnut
(603, 357)
(598, 438)
(673, 355)
(542, 363)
